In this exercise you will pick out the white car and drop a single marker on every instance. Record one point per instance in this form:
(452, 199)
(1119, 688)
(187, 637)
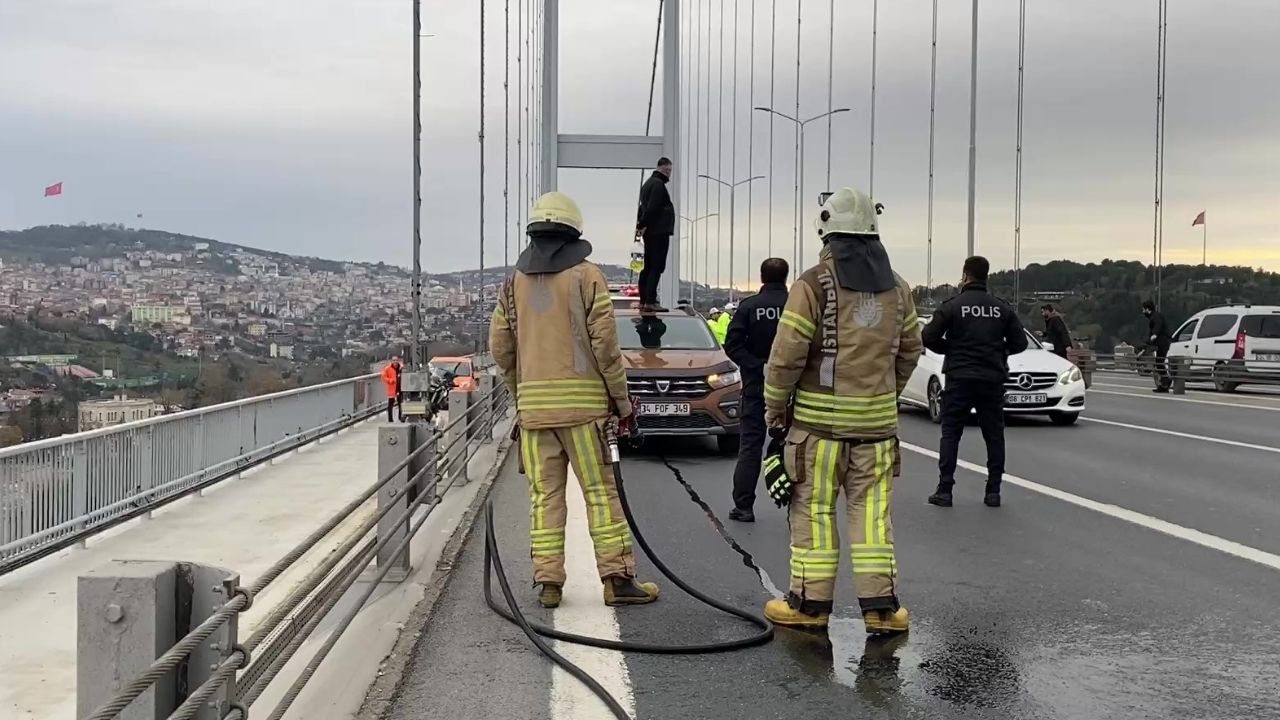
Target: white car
(1231, 345)
(1039, 383)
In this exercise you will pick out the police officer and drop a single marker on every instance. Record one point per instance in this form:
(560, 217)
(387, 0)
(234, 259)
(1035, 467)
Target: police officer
(554, 339)
(977, 332)
(750, 335)
(847, 342)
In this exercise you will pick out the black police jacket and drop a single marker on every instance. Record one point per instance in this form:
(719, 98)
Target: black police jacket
(656, 215)
(751, 333)
(977, 332)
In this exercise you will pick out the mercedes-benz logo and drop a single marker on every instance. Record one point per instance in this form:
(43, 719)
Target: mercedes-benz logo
(663, 385)
(1025, 381)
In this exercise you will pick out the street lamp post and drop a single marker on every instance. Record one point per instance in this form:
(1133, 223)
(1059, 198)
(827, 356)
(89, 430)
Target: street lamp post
(799, 237)
(693, 240)
(733, 216)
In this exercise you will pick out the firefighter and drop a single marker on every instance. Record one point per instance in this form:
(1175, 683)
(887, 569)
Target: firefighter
(554, 339)
(391, 381)
(847, 342)
(718, 321)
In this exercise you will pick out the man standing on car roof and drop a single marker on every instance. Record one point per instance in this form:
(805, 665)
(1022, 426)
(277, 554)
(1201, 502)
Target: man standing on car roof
(977, 332)
(554, 338)
(1160, 338)
(847, 342)
(750, 336)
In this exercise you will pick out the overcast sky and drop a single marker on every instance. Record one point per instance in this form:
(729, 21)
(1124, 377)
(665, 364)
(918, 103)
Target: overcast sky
(286, 124)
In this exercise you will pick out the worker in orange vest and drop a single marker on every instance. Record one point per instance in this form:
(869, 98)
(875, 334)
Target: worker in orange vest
(391, 379)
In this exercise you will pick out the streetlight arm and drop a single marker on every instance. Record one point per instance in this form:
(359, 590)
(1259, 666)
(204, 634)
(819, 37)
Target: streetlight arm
(713, 179)
(779, 114)
(825, 114)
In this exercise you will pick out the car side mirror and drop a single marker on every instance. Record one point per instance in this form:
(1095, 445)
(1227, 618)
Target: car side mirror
(1047, 345)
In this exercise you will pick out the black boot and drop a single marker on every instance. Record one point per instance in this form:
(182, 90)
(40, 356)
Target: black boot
(941, 497)
(992, 498)
(742, 515)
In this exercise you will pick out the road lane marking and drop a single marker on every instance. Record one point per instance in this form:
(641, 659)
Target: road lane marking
(1154, 396)
(1189, 436)
(1213, 542)
(582, 611)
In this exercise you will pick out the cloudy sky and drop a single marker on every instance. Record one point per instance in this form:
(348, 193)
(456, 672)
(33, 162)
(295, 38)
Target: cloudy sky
(286, 124)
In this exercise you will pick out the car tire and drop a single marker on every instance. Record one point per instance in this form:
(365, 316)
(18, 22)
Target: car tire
(1220, 372)
(1063, 419)
(728, 444)
(934, 398)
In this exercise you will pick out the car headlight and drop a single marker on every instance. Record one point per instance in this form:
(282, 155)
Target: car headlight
(1070, 376)
(723, 380)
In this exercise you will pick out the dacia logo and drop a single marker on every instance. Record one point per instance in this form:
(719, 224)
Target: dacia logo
(663, 385)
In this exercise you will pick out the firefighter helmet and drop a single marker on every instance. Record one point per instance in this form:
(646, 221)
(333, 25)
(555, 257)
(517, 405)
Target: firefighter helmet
(847, 212)
(556, 207)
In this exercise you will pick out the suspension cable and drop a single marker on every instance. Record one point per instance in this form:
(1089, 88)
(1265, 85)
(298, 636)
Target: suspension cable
(933, 104)
(720, 157)
(706, 165)
(696, 110)
(831, 60)
(506, 135)
(1017, 173)
(733, 148)
(875, 32)
(481, 343)
(795, 219)
(773, 76)
(751, 132)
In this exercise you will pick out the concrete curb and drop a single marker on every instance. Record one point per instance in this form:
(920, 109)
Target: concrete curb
(394, 667)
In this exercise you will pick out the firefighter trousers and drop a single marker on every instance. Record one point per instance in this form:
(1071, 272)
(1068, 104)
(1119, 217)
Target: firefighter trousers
(865, 470)
(547, 455)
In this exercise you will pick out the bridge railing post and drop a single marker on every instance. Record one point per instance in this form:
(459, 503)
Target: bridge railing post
(1180, 368)
(484, 391)
(458, 435)
(395, 443)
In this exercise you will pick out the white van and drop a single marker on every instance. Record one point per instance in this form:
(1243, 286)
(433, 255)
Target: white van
(1231, 345)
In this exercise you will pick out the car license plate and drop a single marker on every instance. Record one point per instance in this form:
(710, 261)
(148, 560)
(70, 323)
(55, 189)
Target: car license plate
(1267, 357)
(1026, 399)
(664, 408)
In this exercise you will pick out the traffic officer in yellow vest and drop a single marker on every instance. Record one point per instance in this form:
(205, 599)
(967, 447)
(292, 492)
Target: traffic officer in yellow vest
(847, 342)
(553, 336)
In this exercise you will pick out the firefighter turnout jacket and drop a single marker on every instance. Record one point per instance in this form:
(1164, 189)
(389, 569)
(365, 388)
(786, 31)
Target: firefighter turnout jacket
(845, 355)
(553, 337)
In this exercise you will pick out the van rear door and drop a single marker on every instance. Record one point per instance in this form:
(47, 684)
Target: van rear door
(1261, 335)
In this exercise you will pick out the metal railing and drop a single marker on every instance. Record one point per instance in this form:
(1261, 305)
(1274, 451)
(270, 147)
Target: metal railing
(1223, 374)
(289, 624)
(56, 492)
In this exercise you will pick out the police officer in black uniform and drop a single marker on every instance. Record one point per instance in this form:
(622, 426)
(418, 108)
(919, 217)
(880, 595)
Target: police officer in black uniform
(748, 342)
(977, 332)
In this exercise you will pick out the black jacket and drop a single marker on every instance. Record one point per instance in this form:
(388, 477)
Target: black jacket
(977, 332)
(1158, 328)
(656, 213)
(1055, 331)
(751, 333)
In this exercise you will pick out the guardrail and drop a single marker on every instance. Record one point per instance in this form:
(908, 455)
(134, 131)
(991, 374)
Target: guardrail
(55, 493)
(411, 475)
(1225, 375)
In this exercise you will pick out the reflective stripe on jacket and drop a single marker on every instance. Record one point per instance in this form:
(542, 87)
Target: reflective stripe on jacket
(845, 356)
(557, 347)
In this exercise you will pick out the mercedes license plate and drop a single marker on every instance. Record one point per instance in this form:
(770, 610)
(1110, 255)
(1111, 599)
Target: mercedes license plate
(1026, 399)
(664, 408)
(1267, 357)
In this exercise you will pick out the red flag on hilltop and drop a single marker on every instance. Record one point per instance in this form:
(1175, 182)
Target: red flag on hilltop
(1199, 219)
(54, 189)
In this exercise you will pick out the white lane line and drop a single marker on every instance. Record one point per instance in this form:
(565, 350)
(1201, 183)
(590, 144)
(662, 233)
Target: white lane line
(582, 611)
(1153, 396)
(1213, 542)
(1189, 436)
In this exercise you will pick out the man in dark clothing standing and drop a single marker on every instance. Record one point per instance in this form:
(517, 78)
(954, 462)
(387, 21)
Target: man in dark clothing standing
(747, 343)
(1055, 330)
(655, 222)
(977, 332)
(1159, 338)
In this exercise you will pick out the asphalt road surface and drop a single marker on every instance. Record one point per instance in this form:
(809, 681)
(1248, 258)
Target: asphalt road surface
(1133, 572)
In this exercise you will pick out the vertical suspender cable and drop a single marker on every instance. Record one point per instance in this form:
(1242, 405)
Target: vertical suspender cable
(795, 209)
(648, 116)
(415, 355)
(482, 344)
(720, 153)
(733, 145)
(1164, 97)
(875, 32)
(1017, 172)
(933, 104)
(831, 64)
(686, 26)
(520, 87)
(1159, 171)
(706, 165)
(506, 135)
(773, 76)
(973, 134)
(751, 133)
(696, 109)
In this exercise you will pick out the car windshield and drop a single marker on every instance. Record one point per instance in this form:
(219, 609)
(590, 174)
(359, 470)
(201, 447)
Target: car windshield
(680, 332)
(1033, 343)
(456, 369)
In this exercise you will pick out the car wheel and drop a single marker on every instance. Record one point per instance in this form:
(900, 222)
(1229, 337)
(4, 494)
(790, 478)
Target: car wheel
(728, 444)
(935, 400)
(1221, 372)
(1063, 419)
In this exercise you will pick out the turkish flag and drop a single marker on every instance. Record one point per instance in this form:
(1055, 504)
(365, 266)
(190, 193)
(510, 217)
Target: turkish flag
(54, 189)
(1199, 219)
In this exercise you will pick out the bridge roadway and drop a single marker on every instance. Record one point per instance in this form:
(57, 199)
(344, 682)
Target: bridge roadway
(1077, 599)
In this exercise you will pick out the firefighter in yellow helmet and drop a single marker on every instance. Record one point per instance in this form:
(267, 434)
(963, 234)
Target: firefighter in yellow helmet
(847, 342)
(553, 336)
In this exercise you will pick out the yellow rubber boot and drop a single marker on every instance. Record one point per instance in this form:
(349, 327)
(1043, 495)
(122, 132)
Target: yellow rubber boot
(549, 597)
(780, 612)
(626, 591)
(886, 622)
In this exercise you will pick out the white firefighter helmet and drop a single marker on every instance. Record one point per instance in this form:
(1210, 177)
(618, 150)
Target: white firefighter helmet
(847, 211)
(730, 307)
(556, 207)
